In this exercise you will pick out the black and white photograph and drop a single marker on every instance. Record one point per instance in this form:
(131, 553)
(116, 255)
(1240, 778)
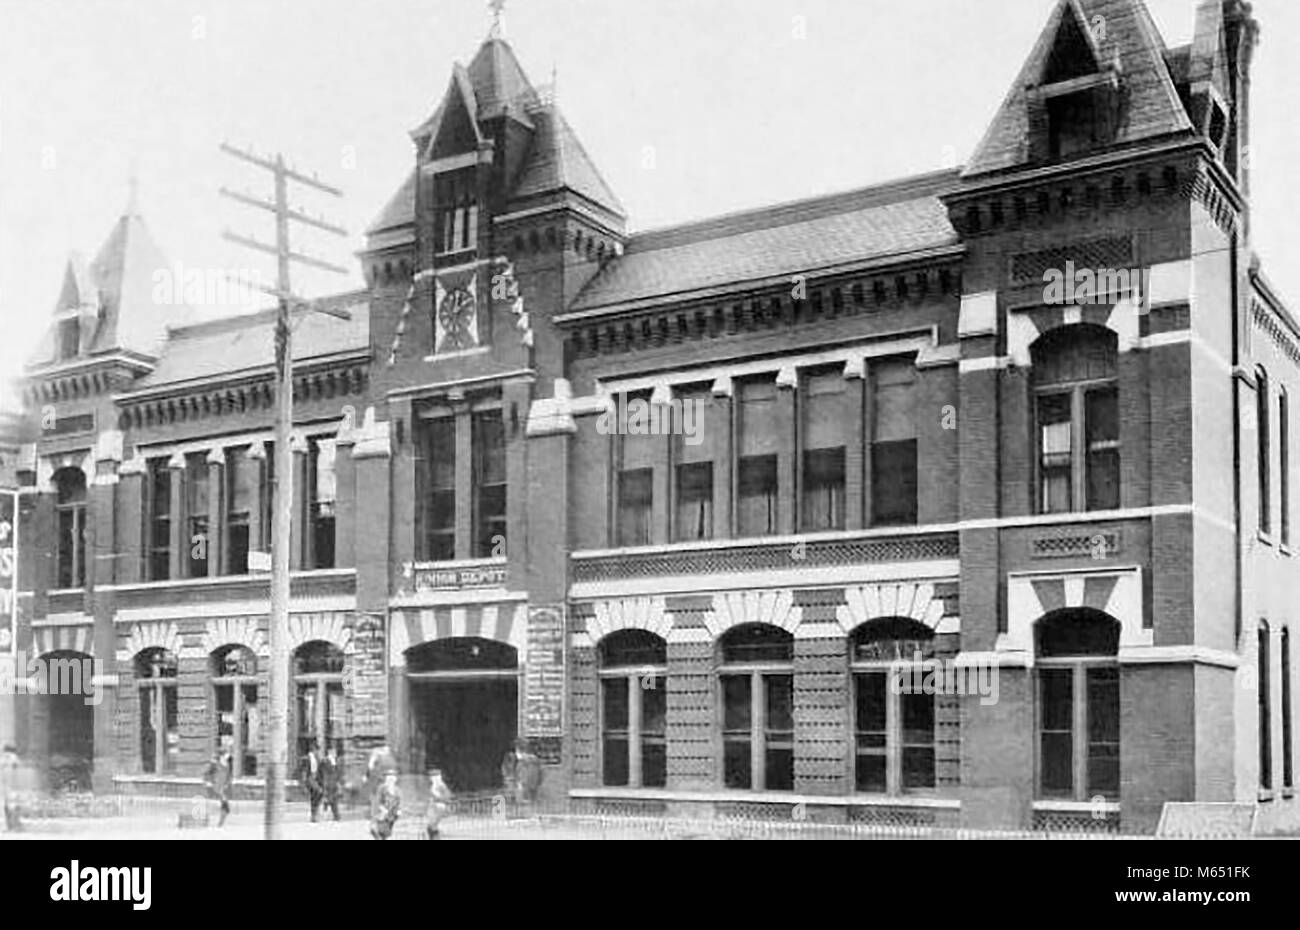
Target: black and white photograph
(650, 420)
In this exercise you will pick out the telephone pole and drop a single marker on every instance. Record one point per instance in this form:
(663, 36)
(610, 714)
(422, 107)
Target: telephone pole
(282, 506)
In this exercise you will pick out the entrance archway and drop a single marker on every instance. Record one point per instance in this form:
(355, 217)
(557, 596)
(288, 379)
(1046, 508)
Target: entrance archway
(63, 719)
(464, 703)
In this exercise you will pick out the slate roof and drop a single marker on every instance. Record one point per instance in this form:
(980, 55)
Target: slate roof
(231, 345)
(1152, 107)
(400, 209)
(119, 284)
(559, 161)
(888, 220)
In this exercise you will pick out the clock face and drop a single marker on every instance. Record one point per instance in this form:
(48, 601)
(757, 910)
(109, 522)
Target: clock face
(457, 325)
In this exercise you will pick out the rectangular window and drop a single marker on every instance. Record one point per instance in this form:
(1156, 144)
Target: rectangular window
(268, 497)
(1288, 743)
(615, 723)
(436, 476)
(894, 735)
(1056, 453)
(778, 732)
(822, 476)
(456, 206)
(1073, 124)
(1078, 731)
(823, 489)
(872, 733)
(1056, 732)
(241, 498)
(489, 436)
(756, 494)
(1262, 425)
(1101, 423)
(1284, 465)
(635, 507)
(893, 443)
(758, 445)
(1265, 684)
(654, 732)
(694, 502)
(737, 732)
(196, 514)
(322, 494)
(158, 506)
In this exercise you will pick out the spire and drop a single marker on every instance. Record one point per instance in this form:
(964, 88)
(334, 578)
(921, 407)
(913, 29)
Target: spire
(133, 187)
(498, 8)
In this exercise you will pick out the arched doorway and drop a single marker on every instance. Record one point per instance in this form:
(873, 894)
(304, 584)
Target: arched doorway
(63, 712)
(464, 709)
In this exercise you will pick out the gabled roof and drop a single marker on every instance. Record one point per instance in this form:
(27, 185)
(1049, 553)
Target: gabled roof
(118, 287)
(880, 222)
(228, 346)
(1125, 37)
(558, 161)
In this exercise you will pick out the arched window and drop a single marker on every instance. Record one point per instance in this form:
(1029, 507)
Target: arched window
(1076, 399)
(318, 683)
(1265, 682)
(756, 679)
(155, 678)
(70, 511)
(1078, 705)
(234, 686)
(893, 719)
(1262, 422)
(634, 709)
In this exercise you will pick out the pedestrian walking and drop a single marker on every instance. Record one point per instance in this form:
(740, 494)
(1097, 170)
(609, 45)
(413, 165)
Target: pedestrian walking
(528, 773)
(218, 777)
(388, 807)
(10, 774)
(439, 804)
(331, 779)
(309, 774)
(381, 760)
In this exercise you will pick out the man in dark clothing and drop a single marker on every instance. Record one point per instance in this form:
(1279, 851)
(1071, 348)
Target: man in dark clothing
(331, 781)
(309, 774)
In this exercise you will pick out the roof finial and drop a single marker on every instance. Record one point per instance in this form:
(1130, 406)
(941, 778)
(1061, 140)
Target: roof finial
(498, 8)
(133, 187)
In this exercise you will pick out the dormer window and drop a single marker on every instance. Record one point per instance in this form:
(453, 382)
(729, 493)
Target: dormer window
(1073, 124)
(456, 211)
(69, 339)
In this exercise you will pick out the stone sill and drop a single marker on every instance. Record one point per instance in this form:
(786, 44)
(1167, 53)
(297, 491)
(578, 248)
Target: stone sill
(1078, 807)
(765, 797)
(220, 580)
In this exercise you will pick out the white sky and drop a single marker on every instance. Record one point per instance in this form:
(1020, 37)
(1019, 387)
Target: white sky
(737, 109)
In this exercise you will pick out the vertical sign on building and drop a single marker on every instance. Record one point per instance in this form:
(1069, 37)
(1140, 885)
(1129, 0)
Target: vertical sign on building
(8, 571)
(544, 681)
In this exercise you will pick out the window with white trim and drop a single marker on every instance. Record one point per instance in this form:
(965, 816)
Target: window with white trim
(1078, 719)
(756, 687)
(70, 514)
(634, 709)
(1076, 401)
(893, 722)
(238, 718)
(155, 680)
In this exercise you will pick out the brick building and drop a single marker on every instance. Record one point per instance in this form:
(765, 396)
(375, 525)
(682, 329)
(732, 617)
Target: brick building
(686, 508)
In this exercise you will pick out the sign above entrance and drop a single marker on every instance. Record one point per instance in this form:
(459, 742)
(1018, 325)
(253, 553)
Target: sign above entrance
(419, 578)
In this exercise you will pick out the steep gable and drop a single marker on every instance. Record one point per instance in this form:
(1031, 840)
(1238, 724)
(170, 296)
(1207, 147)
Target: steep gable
(1121, 40)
